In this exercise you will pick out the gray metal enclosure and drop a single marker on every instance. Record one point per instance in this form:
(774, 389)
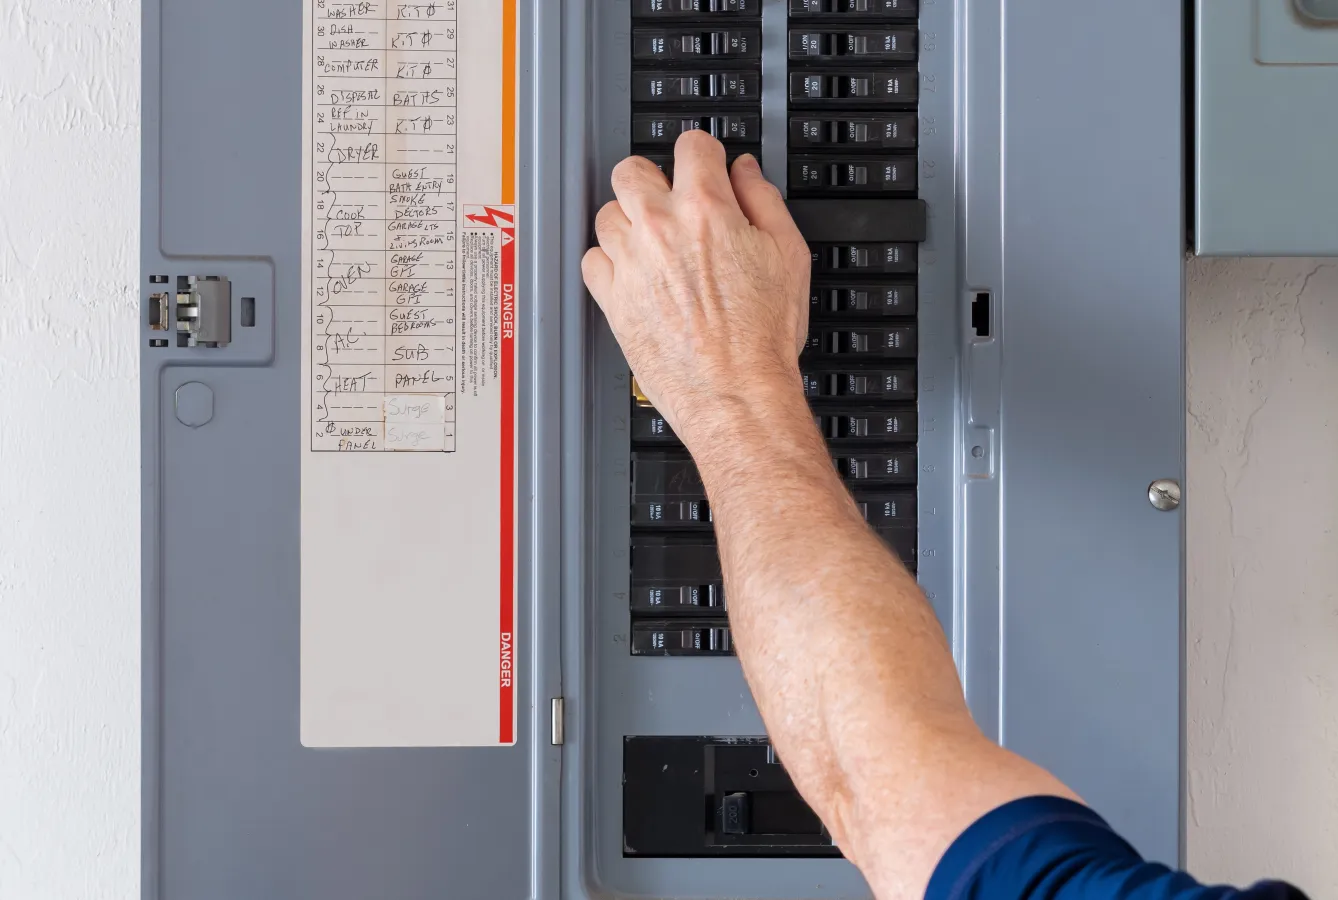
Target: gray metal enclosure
(1052, 163)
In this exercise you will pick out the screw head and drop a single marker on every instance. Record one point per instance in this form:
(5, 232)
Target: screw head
(1164, 494)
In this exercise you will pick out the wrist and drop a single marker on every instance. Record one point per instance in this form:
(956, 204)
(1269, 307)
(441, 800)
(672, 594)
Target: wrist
(766, 417)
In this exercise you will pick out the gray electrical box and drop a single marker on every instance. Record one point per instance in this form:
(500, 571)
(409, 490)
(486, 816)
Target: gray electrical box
(1267, 72)
(431, 604)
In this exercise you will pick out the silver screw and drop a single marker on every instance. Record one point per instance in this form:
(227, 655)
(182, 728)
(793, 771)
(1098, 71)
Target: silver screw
(1164, 494)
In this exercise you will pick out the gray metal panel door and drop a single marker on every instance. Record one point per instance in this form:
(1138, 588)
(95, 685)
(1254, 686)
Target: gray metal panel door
(1266, 181)
(1090, 198)
(234, 806)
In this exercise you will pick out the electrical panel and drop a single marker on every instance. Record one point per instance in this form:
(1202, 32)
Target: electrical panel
(432, 603)
(863, 221)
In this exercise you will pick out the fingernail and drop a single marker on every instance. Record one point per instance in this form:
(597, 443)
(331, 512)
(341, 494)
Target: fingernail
(748, 160)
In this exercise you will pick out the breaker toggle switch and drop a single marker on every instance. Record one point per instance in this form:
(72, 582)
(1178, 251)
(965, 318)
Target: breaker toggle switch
(862, 258)
(670, 513)
(673, 87)
(906, 9)
(878, 384)
(680, 638)
(863, 299)
(694, 598)
(658, 129)
(898, 86)
(896, 131)
(882, 510)
(876, 175)
(883, 45)
(735, 814)
(864, 341)
(665, 9)
(865, 425)
(899, 466)
(651, 44)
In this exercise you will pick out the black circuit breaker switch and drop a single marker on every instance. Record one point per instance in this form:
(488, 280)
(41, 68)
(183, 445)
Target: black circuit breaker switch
(868, 341)
(655, 128)
(676, 573)
(665, 475)
(880, 45)
(862, 300)
(858, 175)
(648, 426)
(681, 638)
(683, 598)
(895, 131)
(866, 425)
(855, 9)
(875, 467)
(689, 87)
(665, 513)
(668, 9)
(901, 540)
(894, 87)
(884, 510)
(735, 814)
(870, 384)
(874, 258)
(670, 45)
(657, 559)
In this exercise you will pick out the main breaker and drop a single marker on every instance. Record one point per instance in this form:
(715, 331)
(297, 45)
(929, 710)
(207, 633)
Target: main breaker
(432, 606)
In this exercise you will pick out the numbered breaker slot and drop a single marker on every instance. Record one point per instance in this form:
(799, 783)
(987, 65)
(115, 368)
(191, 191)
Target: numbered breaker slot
(696, 66)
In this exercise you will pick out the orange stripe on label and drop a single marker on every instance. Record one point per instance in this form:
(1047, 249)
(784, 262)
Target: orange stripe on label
(508, 101)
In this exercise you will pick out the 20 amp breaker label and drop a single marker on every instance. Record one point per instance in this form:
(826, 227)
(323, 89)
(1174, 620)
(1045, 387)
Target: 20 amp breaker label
(409, 386)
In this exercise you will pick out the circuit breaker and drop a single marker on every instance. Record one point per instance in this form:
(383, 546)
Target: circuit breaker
(432, 603)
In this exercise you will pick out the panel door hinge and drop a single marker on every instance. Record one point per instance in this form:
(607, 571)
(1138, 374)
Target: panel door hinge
(559, 723)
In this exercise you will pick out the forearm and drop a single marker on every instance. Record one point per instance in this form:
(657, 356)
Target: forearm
(815, 596)
(847, 661)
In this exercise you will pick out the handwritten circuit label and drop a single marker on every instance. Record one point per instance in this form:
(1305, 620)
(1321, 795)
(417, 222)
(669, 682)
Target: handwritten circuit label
(408, 410)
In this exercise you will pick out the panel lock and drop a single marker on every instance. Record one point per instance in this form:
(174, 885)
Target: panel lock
(204, 311)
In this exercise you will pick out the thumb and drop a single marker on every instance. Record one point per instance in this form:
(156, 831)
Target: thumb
(762, 203)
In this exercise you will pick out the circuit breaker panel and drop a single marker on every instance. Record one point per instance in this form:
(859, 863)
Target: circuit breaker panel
(432, 605)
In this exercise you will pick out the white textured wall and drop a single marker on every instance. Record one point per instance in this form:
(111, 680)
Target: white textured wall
(1263, 570)
(69, 507)
(1262, 501)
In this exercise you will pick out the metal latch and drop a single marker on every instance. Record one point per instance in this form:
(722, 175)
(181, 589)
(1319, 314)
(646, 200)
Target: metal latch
(204, 311)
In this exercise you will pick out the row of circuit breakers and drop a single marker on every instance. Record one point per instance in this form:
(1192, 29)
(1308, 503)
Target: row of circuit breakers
(852, 181)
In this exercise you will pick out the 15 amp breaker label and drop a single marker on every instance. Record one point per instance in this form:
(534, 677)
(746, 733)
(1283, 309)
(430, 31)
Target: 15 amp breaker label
(408, 366)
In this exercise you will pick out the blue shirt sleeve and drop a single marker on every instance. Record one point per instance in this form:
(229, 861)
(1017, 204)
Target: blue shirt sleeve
(1049, 848)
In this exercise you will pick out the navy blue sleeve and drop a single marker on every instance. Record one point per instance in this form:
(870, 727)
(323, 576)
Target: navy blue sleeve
(1049, 848)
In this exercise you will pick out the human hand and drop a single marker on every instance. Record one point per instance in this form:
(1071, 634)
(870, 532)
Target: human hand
(704, 284)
